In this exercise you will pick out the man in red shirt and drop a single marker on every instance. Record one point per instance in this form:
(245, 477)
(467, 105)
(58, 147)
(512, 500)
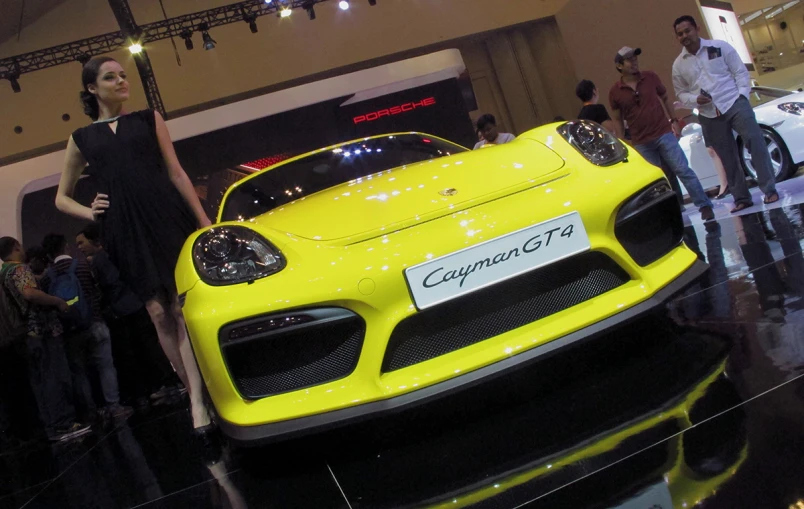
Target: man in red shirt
(640, 98)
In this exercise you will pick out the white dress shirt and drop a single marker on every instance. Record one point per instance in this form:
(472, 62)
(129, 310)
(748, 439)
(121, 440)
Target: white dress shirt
(501, 138)
(716, 68)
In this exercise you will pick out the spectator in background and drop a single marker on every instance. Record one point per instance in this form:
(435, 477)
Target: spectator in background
(142, 367)
(487, 126)
(710, 76)
(641, 99)
(587, 93)
(43, 349)
(36, 259)
(87, 338)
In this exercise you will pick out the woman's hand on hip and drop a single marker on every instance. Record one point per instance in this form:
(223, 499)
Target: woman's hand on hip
(99, 205)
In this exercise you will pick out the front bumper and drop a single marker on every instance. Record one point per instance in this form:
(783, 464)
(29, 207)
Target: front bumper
(257, 434)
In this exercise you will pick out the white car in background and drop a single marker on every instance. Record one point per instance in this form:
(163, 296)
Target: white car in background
(780, 114)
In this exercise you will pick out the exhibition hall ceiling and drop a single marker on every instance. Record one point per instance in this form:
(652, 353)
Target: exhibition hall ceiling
(31, 10)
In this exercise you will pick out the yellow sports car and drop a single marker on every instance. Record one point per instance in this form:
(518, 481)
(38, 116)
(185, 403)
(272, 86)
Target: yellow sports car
(372, 275)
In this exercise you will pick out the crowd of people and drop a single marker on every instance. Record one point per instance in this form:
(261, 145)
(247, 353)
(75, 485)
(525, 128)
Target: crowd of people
(708, 76)
(84, 341)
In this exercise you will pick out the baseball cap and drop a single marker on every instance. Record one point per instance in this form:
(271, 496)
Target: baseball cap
(625, 53)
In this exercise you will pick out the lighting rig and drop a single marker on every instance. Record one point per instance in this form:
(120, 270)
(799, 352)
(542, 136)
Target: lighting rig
(11, 68)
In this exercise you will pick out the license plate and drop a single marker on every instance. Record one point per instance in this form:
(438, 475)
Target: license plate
(471, 269)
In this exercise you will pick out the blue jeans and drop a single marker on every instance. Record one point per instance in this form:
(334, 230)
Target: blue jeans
(49, 376)
(92, 348)
(667, 150)
(719, 132)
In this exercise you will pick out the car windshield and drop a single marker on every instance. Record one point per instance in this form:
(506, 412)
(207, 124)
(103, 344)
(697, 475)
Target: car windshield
(762, 95)
(296, 179)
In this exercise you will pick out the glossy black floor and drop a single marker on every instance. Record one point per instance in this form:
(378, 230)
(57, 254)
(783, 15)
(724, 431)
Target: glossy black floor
(700, 404)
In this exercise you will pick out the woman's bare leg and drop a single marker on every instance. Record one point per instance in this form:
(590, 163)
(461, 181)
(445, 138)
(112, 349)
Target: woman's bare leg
(174, 341)
(196, 383)
(165, 325)
(721, 171)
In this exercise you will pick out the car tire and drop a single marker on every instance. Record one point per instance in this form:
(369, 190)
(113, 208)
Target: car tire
(780, 156)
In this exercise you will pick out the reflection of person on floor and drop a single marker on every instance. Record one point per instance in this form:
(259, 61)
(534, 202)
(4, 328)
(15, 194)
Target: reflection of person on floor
(757, 254)
(710, 76)
(793, 257)
(228, 490)
(708, 298)
(783, 345)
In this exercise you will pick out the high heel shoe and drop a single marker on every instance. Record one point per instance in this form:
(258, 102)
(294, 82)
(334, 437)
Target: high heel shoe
(725, 193)
(206, 437)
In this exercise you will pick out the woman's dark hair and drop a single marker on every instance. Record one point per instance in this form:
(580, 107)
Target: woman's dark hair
(89, 75)
(682, 19)
(585, 90)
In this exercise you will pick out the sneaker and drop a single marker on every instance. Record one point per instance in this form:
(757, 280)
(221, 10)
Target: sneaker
(71, 432)
(707, 214)
(161, 393)
(117, 411)
(142, 403)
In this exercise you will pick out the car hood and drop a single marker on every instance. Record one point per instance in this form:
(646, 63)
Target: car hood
(401, 197)
(772, 106)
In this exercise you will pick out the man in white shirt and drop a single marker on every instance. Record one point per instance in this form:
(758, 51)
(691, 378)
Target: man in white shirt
(487, 127)
(710, 76)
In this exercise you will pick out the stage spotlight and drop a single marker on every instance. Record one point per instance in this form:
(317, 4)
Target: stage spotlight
(308, 6)
(135, 48)
(285, 12)
(372, 2)
(15, 85)
(83, 58)
(187, 35)
(209, 42)
(344, 5)
(269, 1)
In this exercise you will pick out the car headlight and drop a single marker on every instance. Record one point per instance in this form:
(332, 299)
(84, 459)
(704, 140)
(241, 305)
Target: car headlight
(235, 254)
(794, 108)
(596, 144)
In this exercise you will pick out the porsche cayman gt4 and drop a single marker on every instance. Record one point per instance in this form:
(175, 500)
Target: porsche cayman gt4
(373, 275)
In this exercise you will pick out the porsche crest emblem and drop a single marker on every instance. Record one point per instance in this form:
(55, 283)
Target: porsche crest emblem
(448, 192)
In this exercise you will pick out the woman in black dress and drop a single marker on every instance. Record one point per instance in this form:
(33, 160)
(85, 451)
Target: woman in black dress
(147, 207)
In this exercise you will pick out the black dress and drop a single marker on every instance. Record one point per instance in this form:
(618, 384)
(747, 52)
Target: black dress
(148, 221)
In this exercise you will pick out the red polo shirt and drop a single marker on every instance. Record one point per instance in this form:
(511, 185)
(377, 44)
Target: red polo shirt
(642, 108)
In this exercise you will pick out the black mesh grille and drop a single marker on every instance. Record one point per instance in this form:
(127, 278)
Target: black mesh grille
(295, 358)
(500, 308)
(653, 232)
